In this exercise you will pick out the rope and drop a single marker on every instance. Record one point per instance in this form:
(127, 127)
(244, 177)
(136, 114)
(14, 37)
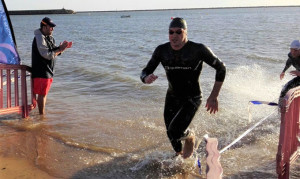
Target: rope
(258, 103)
(246, 132)
(197, 162)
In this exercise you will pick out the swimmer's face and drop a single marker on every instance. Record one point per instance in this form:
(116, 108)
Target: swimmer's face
(177, 37)
(295, 52)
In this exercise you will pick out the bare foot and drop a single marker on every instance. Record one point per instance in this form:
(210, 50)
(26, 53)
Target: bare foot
(188, 147)
(178, 153)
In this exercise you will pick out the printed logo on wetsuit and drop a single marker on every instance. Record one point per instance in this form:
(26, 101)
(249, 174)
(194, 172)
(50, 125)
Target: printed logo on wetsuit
(177, 68)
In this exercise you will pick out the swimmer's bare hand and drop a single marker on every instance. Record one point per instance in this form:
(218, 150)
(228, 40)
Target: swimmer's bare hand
(295, 73)
(212, 105)
(69, 44)
(150, 78)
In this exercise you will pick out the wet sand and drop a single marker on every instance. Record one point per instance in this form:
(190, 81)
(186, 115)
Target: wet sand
(20, 168)
(33, 154)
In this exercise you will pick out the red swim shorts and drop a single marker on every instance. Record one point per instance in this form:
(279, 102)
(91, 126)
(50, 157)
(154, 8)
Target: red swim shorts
(42, 85)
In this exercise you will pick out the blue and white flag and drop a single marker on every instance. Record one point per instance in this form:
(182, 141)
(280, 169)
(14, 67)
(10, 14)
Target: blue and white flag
(8, 50)
(264, 102)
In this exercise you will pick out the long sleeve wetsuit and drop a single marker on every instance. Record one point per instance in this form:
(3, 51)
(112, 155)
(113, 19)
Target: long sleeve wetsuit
(295, 81)
(183, 68)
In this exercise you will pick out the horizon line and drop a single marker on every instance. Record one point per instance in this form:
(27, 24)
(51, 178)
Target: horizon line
(132, 10)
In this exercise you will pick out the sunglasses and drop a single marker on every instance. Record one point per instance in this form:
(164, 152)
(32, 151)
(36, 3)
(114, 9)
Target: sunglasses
(171, 32)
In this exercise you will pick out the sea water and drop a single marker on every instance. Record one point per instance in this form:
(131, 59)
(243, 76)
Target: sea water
(102, 122)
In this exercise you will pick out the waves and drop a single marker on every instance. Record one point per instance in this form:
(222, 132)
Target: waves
(267, 59)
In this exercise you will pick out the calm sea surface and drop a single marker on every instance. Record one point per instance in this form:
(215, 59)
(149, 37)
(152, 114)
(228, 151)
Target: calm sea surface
(103, 122)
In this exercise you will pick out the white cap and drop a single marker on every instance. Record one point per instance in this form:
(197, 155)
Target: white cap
(295, 44)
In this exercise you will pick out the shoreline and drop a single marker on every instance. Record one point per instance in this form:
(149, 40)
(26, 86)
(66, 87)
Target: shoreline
(42, 156)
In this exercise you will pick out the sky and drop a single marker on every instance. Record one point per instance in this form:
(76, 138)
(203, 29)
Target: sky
(112, 5)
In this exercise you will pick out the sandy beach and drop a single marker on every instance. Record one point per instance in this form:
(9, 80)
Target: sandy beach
(20, 168)
(32, 153)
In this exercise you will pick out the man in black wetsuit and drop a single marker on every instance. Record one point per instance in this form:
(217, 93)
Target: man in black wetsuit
(182, 60)
(293, 59)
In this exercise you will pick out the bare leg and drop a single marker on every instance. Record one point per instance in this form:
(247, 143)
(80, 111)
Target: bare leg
(188, 146)
(41, 103)
(34, 100)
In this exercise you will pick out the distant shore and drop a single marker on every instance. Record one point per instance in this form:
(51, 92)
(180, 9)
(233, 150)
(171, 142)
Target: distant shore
(186, 9)
(68, 11)
(38, 12)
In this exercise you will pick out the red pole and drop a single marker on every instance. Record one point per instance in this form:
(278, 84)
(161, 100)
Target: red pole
(8, 87)
(16, 87)
(25, 110)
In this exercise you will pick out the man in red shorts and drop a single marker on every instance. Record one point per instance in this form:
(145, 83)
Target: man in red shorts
(44, 53)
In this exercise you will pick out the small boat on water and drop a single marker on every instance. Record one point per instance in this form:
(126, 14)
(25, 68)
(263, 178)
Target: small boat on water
(125, 16)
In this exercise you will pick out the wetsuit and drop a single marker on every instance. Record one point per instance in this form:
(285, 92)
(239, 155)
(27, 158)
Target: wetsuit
(295, 81)
(43, 55)
(183, 68)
